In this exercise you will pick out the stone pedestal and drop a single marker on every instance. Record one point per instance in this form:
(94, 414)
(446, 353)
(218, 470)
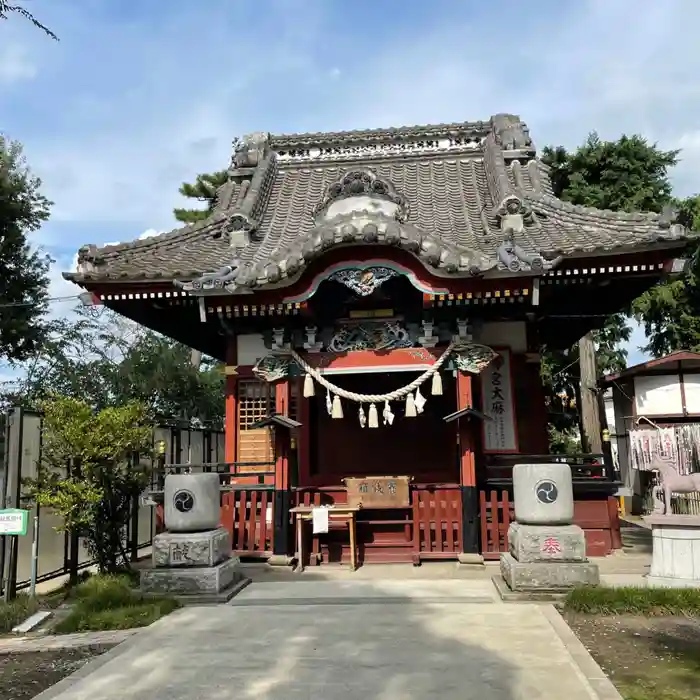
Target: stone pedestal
(675, 559)
(547, 553)
(192, 561)
(546, 558)
(175, 549)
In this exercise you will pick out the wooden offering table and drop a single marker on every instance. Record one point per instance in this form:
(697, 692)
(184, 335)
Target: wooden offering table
(340, 512)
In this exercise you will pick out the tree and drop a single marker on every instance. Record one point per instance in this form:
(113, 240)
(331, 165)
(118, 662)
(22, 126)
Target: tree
(23, 271)
(6, 10)
(629, 174)
(90, 472)
(204, 190)
(107, 360)
(670, 311)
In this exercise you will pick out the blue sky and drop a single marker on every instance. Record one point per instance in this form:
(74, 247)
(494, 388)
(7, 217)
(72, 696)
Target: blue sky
(139, 96)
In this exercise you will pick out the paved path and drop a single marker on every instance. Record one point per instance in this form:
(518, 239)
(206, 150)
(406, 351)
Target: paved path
(50, 642)
(337, 640)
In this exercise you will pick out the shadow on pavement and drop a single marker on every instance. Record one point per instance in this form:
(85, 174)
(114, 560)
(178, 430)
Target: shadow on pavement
(409, 649)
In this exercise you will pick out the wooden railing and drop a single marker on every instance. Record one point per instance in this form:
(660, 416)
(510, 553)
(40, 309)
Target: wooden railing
(496, 515)
(437, 522)
(584, 467)
(598, 517)
(247, 513)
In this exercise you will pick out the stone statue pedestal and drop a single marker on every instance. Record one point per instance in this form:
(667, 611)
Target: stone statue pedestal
(547, 553)
(675, 559)
(546, 558)
(192, 561)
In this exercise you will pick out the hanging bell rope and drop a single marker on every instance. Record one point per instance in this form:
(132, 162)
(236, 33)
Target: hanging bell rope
(403, 392)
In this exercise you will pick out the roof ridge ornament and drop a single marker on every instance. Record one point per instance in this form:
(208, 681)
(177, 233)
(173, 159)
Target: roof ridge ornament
(512, 134)
(249, 152)
(358, 182)
(516, 259)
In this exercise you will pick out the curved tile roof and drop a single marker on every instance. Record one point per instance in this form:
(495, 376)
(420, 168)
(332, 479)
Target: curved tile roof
(460, 183)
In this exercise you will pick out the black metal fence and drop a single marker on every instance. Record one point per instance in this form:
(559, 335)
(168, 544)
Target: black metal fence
(22, 440)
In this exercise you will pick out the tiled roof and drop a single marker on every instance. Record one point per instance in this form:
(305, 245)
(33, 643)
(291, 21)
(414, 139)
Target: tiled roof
(471, 199)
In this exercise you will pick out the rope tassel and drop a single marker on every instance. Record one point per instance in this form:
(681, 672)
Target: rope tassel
(337, 410)
(373, 420)
(387, 414)
(419, 401)
(436, 388)
(363, 417)
(410, 406)
(309, 389)
(329, 402)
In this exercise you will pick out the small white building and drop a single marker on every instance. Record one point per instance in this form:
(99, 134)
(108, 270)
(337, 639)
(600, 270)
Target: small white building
(653, 406)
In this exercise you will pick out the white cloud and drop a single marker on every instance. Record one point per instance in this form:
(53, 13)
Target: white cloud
(149, 233)
(123, 151)
(125, 119)
(15, 64)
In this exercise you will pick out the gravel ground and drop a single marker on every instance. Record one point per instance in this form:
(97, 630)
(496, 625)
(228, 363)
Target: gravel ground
(24, 675)
(647, 658)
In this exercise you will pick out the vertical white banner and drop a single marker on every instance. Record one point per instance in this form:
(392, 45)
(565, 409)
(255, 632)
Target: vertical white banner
(501, 431)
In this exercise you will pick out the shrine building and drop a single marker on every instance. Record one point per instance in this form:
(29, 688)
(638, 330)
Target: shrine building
(380, 299)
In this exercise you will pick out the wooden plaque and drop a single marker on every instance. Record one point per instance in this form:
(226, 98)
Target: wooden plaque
(378, 491)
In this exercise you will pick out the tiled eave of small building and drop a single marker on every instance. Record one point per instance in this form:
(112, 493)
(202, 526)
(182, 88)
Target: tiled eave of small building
(471, 201)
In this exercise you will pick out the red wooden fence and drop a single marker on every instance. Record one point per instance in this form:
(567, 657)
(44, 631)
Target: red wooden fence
(437, 522)
(597, 517)
(496, 516)
(247, 515)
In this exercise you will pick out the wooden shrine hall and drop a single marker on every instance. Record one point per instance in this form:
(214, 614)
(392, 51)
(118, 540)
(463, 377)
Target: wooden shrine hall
(379, 299)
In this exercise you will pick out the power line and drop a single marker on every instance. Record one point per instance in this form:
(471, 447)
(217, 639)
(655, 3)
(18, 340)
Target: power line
(50, 300)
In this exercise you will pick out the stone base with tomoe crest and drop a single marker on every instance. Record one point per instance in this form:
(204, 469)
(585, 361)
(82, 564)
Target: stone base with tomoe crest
(192, 561)
(547, 553)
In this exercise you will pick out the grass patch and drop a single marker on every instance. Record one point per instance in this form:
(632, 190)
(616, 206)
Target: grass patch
(632, 600)
(16, 611)
(110, 603)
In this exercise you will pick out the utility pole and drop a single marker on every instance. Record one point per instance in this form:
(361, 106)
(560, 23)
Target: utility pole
(590, 412)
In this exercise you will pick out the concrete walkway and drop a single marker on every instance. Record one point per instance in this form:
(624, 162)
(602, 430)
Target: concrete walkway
(336, 640)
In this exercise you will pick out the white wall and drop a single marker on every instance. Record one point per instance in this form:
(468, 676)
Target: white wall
(657, 395)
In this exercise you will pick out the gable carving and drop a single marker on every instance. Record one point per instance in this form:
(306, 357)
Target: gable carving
(363, 182)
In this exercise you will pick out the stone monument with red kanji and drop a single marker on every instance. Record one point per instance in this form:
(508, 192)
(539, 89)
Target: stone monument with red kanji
(547, 553)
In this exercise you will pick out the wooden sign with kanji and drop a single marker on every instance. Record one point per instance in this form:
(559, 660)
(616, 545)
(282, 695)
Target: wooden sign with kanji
(378, 491)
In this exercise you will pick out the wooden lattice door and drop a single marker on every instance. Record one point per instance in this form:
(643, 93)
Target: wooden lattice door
(256, 401)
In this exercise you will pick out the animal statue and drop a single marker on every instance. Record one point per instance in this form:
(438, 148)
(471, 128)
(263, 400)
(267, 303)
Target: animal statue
(673, 482)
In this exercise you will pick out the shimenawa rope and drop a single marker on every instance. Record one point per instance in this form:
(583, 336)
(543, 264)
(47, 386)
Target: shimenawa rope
(373, 398)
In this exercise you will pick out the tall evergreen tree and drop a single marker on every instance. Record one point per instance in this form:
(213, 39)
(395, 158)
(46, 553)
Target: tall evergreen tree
(203, 190)
(670, 311)
(23, 270)
(629, 174)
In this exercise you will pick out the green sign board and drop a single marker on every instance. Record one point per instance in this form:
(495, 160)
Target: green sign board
(13, 521)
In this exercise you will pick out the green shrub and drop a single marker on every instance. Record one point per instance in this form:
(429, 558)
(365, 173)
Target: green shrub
(601, 600)
(16, 611)
(110, 603)
(104, 593)
(138, 614)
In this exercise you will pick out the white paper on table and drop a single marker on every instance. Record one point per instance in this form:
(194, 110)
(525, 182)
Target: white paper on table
(319, 519)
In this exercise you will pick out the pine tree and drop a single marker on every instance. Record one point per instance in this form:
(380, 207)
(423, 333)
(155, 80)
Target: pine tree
(204, 190)
(6, 10)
